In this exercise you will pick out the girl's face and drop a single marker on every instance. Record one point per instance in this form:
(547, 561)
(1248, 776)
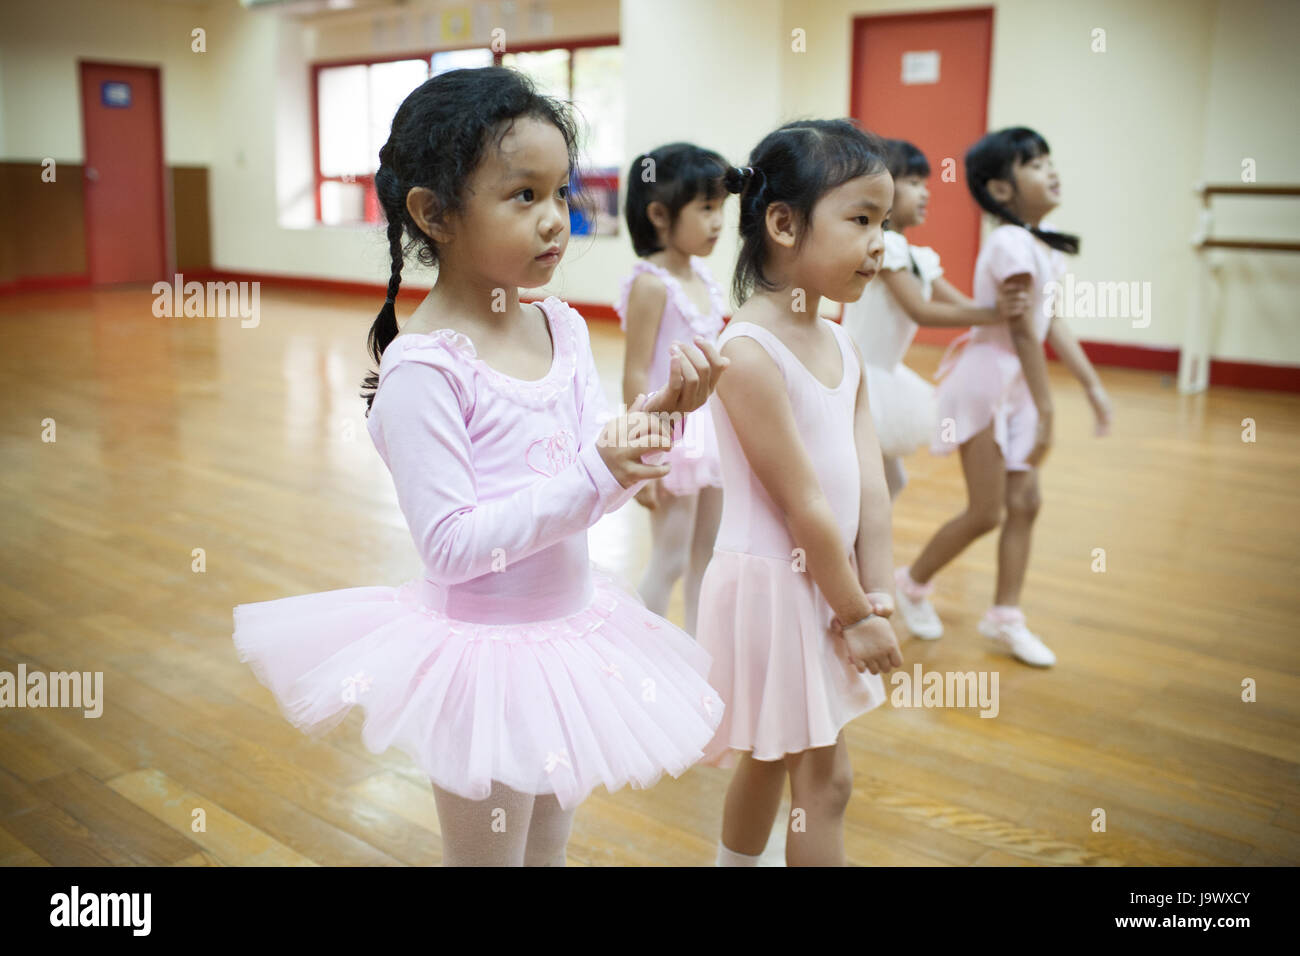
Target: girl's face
(517, 207)
(842, 251)
(698, 225)
(911, 197)
(1038, 188)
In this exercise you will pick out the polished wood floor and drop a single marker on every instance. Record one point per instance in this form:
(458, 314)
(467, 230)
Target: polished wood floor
(180, 440)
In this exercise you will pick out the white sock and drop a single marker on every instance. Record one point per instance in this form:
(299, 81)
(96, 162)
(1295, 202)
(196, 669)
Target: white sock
(728, 857)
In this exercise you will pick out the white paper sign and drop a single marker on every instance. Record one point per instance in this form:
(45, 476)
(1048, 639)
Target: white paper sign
(921, 66)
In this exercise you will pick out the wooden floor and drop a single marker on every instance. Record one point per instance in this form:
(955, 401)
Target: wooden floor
(175, 435)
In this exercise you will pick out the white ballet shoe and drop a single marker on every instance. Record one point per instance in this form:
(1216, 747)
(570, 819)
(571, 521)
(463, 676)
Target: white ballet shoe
(913, 601)
(1011, 634)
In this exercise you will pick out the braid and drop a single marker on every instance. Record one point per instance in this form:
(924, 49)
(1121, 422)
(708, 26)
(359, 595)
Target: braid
(395, 249)
(385, 328)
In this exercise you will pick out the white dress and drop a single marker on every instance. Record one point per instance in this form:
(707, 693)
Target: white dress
(902, 403)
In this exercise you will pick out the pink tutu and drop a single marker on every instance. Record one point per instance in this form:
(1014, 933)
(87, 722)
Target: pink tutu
(611, 694)
(788, 682)
(694, 458)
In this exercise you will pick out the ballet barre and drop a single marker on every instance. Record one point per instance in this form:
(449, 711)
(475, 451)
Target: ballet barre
(1194, 359)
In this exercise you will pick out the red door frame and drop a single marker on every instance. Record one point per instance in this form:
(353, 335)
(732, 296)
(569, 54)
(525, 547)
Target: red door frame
(862, 21)
(165, 263)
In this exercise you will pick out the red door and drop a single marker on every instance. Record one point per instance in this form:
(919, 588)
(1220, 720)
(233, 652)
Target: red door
(942, 110)
(121, 119)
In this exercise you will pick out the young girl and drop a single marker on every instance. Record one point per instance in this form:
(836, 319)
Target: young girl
(515, 675)
(994, 401)
(911, 291)
(674, 220)
(794, 602)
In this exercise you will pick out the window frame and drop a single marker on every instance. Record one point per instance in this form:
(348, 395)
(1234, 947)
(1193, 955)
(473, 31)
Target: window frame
(370, 208)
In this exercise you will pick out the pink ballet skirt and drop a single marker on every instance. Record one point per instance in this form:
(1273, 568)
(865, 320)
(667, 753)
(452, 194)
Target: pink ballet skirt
(513, 657)
(611, 694)
(787, 682)
(694, 455)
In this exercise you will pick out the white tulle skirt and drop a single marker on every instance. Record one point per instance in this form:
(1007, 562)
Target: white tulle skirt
(903, 408)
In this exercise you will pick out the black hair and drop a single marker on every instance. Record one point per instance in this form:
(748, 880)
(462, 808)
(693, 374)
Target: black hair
(904, 159)
(438, 137)
(796, 164)
(674, 174)
(995, 157)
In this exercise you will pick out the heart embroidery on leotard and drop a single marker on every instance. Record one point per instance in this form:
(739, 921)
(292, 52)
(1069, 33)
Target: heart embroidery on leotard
(548, 456)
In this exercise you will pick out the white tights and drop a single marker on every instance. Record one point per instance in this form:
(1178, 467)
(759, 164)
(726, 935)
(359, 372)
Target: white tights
(508, 828)
(682, 531)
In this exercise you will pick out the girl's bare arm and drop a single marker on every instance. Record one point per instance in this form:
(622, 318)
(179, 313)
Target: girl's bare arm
(753, 392)
(645, 309)
(874, 545)
(906, 290)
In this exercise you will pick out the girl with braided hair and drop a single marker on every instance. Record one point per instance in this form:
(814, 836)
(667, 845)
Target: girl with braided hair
(515, 673)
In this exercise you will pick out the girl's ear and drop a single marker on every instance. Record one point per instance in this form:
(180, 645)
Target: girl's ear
(782, 225)
(657, 213)
(1001, 190)
(422, 204)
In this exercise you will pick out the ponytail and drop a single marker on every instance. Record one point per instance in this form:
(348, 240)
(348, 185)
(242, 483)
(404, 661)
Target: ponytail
(795, 165)
(1063, 241)
(995, 157)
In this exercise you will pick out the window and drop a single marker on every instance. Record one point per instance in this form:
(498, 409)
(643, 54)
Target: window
(364, 96)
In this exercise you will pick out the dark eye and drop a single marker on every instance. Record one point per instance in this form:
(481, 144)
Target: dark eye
(564, 193)
(885, 224)
(526, 193)
(863, 220)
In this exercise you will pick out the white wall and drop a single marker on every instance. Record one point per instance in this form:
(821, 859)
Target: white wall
(1185, 90)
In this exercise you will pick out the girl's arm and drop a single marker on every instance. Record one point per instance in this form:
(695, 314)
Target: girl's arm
(645, 309)
(945, 291)
(874, 546)
(754, 395)
(906, 290)
(429, 453)
(1067, 347)
(1034, 365)
(1076, 360)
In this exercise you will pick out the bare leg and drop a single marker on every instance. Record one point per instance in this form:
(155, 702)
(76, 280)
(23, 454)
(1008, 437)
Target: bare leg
(548, 832)
(821, 781)
(708, 515)
(670, 535)
(753, 798)
(1023, 502)
(981, 463)
(895, 476)
(491, 832)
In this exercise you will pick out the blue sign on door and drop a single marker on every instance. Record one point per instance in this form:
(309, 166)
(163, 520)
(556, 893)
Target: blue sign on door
(115, 94)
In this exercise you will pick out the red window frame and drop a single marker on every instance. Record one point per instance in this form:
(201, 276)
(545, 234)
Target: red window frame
(371, 210)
